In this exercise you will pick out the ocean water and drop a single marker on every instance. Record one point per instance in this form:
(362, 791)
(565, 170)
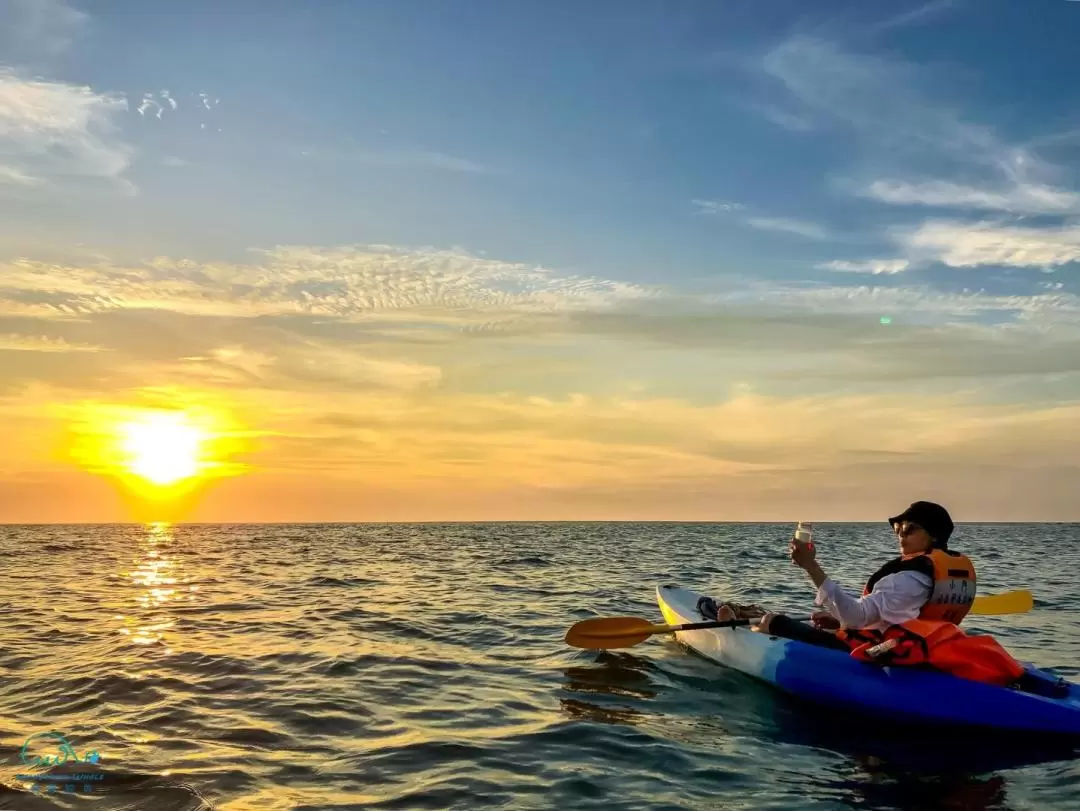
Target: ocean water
(423, 666)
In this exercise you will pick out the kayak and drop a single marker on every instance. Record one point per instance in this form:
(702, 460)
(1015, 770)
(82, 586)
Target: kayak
(832, 678)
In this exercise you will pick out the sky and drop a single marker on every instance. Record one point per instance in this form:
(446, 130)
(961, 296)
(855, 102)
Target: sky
(428, 261)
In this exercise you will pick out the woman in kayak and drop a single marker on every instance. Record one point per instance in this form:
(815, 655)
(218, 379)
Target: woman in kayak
(897, 593)
(909, 611)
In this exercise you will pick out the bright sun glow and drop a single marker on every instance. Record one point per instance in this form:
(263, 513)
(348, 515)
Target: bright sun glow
(164, 458)
(163, 448)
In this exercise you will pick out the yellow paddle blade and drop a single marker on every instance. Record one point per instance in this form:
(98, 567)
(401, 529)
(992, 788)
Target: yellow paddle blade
(1010, 602)
(604, 633)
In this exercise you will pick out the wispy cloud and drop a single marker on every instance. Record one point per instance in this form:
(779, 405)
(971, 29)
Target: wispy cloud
(966, 245)
(802, 228)
(880, 99)
(13, 342)
(353, 282)
(432, 301)
(921, 303)
(875, 266)
(785, 225)
(156, 104)
(785, 119)
(916, 16)
(905, 135)
(1023, 198)
(53, 131)
(715, 207)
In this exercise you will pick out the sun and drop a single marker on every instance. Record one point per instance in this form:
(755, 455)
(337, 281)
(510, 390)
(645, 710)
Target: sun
(162, 448)
(162, 459)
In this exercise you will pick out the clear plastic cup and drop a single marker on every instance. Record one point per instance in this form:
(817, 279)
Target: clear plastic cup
(804, 534)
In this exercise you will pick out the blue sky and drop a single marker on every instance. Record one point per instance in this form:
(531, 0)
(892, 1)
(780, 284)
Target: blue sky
(686, 213)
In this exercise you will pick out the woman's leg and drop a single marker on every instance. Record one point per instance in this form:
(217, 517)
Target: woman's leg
(801, 632)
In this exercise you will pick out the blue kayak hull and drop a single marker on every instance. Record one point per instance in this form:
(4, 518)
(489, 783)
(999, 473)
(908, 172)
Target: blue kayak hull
(834, 679)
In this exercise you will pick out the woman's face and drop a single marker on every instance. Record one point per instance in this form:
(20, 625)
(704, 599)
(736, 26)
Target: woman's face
(913, 538)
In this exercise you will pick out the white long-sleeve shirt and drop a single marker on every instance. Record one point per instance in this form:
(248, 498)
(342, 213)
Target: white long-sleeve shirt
(896, 598)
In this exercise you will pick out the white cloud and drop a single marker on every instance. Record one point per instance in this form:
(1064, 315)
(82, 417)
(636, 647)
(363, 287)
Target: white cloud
(962, 244)
(376, 317)
(51, 131)
(452, 287)
(715, 207)
(875, 266)
(1026, 198)
(801, 228)
(148, 104)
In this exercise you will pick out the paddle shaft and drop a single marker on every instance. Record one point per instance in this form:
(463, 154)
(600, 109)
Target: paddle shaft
(686, 626)
(698, 626)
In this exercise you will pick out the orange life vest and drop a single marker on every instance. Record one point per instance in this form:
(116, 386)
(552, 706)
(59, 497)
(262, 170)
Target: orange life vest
(953, 576)
(934, 638)
(942, 646)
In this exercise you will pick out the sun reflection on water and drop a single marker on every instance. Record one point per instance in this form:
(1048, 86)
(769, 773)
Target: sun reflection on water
(159, 584)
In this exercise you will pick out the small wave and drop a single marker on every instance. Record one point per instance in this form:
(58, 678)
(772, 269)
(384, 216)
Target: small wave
(210, 664)
(323, 580)
(325, 722)
(526, 561)
(153, 791)
(255, 737)
(511, 588)
(354, 612)
(220, 608)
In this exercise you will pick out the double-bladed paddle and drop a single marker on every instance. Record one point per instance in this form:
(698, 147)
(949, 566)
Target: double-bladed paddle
(606, 633)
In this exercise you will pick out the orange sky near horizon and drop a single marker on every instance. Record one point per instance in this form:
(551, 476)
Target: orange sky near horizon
(427, 456)
(411, 386)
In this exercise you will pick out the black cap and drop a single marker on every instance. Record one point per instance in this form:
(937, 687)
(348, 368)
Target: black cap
(930, 516)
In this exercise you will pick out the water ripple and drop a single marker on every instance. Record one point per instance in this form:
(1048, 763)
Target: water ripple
(272, 668)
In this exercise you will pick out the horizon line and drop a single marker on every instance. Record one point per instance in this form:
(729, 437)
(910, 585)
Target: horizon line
(483, 521)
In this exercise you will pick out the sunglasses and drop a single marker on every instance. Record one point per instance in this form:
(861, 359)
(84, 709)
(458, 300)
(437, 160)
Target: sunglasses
(903, 530)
